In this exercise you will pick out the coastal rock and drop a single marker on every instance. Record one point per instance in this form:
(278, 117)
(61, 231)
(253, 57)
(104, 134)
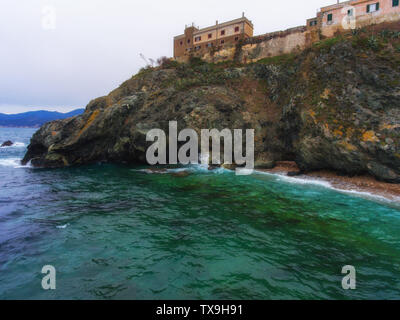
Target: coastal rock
(334, 106)
(294, 173)
(180, 174)
(7, 143)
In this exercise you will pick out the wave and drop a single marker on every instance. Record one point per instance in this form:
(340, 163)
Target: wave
(15, 145)
(326, 184)
(63, 226)
(190, 168)
(297, 180)
(13, 162)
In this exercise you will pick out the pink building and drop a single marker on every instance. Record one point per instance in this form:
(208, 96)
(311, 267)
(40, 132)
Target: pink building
(354, 14)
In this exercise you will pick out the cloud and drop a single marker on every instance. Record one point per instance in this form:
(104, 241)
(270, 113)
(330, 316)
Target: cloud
(95, 44)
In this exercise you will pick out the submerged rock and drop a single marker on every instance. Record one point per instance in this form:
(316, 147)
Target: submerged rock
(7, 143)
(334, 106)
(180, 174)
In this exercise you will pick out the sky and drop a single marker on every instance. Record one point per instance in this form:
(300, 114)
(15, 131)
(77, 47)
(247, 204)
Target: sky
(60, 54)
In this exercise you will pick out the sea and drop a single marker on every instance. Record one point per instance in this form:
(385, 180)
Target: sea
(126, 232)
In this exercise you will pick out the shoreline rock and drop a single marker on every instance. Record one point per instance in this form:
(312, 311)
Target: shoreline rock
(7, 143)
(358, 183)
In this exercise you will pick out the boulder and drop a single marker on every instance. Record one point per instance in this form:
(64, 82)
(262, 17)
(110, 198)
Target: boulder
(7, 143)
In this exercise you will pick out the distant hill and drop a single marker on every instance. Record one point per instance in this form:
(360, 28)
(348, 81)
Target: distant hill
(34, 119)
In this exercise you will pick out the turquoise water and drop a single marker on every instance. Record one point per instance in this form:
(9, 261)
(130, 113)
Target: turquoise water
(117, 232)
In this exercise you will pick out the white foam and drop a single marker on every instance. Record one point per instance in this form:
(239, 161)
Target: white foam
(13, 162)
(15, 145)
(189, 168)
(149, 171)
(63, 226)
(298, 180)
(326, 184)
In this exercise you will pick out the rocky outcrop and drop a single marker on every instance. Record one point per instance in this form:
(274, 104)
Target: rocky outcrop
(334, 106)
(7, 143)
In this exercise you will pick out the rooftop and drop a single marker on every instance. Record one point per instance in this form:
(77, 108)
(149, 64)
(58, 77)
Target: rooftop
(221, 25)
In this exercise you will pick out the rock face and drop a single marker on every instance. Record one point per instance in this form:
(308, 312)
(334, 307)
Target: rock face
(7, 143)
(334, 106)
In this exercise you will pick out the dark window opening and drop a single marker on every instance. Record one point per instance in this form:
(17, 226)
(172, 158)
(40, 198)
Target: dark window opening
(330, 17)
(373, 7)
(222, 32)
(209, 35)
(236, 29)
(188, 41)
(395, 3)
(222, 41)
(313, 23)
(237, 38)
(350, 12)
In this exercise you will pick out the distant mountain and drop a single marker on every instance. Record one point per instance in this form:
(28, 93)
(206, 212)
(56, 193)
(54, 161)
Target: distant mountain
(34, 119)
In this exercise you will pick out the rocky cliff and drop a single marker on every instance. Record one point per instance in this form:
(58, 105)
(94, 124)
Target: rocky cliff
(333, 106)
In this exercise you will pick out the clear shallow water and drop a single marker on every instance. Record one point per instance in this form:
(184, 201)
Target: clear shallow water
(116, 232)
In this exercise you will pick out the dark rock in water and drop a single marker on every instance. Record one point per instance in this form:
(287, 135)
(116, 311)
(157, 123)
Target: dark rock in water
(229, 166)
(212, 167)
(180, 174)
(294, 173)
(330, 108)
(7, 143)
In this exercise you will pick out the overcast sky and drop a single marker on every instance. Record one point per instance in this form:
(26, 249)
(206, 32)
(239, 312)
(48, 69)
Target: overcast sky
(89, 47)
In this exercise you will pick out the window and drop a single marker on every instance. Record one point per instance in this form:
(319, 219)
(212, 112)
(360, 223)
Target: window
(209, 35)
(236, 38)
(197, 48)
(330, 17)
(373, 7)
(181, 43)
(236, 29)
(395, 3)
(222, 32)
(222, 41)
(197, 39)
(188, 41)
(209, 45)
(313, 23)
(350, 12)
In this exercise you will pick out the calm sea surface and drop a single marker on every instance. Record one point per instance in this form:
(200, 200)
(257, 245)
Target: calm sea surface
(117, 232)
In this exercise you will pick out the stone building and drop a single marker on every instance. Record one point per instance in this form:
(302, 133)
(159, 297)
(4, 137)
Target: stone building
(197, 41)
(354, 14)
(217, 43)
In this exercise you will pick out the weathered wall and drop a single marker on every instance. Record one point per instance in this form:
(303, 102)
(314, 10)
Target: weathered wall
(267, 45)
(275, 44)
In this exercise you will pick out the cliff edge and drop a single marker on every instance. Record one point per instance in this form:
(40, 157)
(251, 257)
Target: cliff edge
(333, 106)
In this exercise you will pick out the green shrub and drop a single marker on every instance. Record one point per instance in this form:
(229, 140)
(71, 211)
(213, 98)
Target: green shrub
(327, 44)
(373, 43)
(167, 63)
(196, 61)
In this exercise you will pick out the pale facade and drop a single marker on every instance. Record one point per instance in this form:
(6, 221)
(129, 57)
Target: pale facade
(354, 14)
